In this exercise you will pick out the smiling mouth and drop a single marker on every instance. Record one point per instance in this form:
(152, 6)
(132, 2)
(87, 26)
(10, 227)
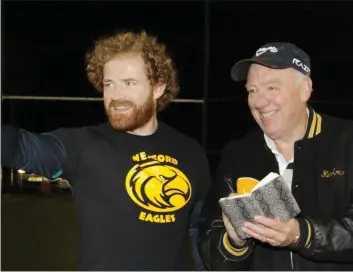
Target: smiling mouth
(268, 114)
(121, 108)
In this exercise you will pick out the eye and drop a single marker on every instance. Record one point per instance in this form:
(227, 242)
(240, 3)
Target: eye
(162, 178)
(252, 90)
(108, 85)
(271, 88)
(130, 83)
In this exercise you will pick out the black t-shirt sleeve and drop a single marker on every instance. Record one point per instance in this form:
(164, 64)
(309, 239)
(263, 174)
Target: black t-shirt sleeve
(202, 186)
(206, 179)
(71, 145)
(47, 154)
(201, 165)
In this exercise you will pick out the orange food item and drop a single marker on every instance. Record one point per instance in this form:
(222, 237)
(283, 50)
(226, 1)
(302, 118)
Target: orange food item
(245, 185)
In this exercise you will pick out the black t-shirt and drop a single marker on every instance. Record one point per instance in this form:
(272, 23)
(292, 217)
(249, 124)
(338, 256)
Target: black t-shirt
(134, 195)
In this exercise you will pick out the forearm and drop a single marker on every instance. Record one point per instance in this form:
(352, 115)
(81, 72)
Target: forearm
(37, 153)
(328, 241)
(219, 253)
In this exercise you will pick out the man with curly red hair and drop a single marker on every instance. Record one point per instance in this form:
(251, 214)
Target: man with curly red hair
(138, 183)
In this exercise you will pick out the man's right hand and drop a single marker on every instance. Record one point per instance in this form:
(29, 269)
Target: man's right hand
(231, 231)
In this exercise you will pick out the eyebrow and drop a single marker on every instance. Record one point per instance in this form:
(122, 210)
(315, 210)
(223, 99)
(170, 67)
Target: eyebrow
(271, 81)
(125, 80)
(106, 80)
(130, 79)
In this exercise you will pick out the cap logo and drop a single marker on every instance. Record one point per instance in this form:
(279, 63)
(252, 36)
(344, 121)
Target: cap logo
(262, 50)
(301, 65)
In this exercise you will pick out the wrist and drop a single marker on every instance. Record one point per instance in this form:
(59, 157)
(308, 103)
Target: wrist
(235, 242)
(296, 234)
(304, 233)
(235, 252)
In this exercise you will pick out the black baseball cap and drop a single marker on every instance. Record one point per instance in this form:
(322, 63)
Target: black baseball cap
(274, 55)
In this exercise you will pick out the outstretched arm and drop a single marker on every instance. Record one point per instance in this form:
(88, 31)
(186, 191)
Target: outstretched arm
(43, 154)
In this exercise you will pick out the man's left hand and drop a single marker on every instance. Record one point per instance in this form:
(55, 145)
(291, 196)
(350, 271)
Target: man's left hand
(275, 232)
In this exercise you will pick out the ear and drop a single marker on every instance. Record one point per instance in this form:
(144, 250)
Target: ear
(306, 89)
(158, 90)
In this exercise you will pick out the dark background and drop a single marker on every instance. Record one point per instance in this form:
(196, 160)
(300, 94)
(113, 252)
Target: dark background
(43, 48)
(44, 44)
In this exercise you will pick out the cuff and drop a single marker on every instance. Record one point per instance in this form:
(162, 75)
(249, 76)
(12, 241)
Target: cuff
(232, 252)
(305, 238)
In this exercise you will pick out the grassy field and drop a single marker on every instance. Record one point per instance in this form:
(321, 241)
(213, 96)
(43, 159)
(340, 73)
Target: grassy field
(38, 233)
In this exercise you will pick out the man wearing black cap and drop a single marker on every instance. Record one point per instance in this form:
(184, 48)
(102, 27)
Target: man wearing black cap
(314, 154)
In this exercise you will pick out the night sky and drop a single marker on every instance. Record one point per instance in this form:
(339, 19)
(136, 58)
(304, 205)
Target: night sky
(43, 49)
(44, 44)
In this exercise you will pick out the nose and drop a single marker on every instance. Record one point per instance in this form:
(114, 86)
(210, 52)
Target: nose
(259, 100)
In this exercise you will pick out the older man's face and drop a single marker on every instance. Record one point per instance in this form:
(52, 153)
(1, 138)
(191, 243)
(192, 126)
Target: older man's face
(275, 100)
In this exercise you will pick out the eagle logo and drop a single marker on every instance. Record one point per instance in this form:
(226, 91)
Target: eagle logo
(158, 187)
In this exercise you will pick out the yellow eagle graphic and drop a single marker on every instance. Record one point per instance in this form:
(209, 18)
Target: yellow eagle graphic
(157, 187)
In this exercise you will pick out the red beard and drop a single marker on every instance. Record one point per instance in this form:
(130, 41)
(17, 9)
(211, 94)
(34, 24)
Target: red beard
(135, 118)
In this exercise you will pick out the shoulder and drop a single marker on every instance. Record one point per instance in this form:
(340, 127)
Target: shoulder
(336, 128)
(178, 138)
(76, 134)
(253, 140)
(332, 121)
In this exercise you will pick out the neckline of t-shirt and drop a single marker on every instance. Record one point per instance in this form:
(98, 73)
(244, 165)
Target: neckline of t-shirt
(142, 137)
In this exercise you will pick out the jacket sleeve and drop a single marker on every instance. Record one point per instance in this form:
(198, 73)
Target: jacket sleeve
(329, 240)
(44, 154)
(217, 252)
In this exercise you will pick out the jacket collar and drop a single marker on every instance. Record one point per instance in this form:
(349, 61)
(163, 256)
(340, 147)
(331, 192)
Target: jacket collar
(313, 129)
(314, 124)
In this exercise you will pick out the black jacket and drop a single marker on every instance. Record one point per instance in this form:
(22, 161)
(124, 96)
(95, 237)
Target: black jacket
(322, 185)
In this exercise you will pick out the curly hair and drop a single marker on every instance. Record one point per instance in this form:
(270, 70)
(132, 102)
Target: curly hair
(159, 66)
